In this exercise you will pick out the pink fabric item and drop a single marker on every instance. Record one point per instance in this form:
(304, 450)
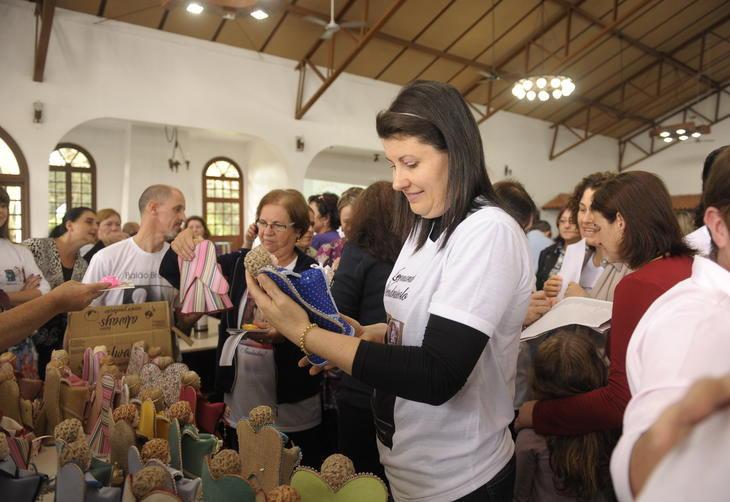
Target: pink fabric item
(203, 289)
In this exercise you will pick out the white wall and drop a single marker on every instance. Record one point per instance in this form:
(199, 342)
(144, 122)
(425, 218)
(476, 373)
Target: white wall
(142, 75)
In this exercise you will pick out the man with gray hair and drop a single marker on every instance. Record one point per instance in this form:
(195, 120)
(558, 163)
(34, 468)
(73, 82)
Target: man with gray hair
(137, 260)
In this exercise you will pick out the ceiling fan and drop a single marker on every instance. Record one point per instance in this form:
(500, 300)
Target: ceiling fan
(333, 27)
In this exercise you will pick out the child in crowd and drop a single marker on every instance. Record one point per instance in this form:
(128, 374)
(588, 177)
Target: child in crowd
(565, 468)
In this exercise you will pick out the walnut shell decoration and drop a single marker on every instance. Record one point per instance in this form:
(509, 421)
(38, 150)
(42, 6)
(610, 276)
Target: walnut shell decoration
(336, 469)
(7, 357)
(225, 462)
(149, 479)
(260, 416)
(153, 352)
(158, 449)
(78, 453)
(133, 383)
(181, 411)
(69, 430)
(140, 343)
(6, 372)
(191, 379)
(163, 361)
(4, 448)
(152, 393)
(61, 356)
(283, 493)
(127, 413)
(256, 259)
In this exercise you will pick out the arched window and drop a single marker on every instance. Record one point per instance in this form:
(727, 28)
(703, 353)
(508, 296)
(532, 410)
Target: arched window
(71, 181)
(14, 178)
(223, 200)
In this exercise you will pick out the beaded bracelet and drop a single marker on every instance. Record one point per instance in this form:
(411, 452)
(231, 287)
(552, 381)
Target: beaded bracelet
(303, 336)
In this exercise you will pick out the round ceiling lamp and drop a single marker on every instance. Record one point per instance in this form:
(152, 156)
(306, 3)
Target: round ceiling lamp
(543, 87)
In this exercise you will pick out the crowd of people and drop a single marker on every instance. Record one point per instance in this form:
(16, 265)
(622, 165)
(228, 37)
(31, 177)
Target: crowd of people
(439, 271)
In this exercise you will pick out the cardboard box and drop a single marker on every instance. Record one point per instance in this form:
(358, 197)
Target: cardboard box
(117, 327)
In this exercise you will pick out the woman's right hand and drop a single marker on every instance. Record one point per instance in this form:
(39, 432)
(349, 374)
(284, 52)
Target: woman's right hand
(33, 281)
(184, 244)
(250, 236)
(540, 305)
(552, 286)
(370, 333)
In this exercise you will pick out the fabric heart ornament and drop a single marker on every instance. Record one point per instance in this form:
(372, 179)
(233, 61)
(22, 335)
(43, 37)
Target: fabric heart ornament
(359, 488)
(310, 289)
(168, 381)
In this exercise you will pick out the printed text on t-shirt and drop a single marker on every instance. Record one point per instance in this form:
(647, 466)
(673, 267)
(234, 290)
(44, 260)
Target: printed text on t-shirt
(392, 291)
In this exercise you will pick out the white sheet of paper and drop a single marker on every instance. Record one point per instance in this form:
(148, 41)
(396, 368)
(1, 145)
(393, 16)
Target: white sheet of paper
(572, 265)
(595, 314)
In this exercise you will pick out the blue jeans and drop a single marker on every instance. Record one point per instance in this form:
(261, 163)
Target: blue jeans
(498, 489)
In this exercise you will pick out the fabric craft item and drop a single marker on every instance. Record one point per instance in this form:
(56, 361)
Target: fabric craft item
(310, 289)
(338, 482)
(100, 433)
(264, 456)
(72, 485)
(169, 380)
(227, 487)
(203, 289)
(189, 448)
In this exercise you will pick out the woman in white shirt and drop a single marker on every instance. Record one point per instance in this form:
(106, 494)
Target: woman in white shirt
(443, 368)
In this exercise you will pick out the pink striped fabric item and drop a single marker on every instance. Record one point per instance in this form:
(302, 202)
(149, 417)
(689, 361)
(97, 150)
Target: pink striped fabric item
(203, 289)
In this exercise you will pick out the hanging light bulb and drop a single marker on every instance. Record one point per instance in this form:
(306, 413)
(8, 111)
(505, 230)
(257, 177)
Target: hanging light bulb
(555, 82)
(668, 140)
(526, 83)
(543, 95)
(664, 134)
(683, 137)
(696, 134)
(568, 87)
(530, 95)
(681, 131)
(518, 91)
(557, 93)
(541, 83)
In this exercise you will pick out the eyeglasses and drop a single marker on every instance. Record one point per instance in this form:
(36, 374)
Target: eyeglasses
(277, 227)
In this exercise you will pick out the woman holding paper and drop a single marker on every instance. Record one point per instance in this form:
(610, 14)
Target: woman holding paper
(443, 368)
(634, 224)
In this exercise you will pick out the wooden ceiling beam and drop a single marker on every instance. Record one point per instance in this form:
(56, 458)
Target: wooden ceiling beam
(218, 30)
(301, 110)
(102, 8)
(650, 66)
(276, 28)
(45, 9)
(163, 20)
(659, 55)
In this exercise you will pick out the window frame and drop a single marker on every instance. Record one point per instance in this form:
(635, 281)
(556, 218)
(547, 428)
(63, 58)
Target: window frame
(236, 241)
(68, 169)
(21, 180)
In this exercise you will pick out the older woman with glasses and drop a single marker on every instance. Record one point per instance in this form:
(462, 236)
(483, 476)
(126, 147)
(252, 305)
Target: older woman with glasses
(262, 371)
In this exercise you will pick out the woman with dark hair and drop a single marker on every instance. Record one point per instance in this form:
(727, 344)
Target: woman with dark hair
(443, 368)
(565, 468)
(198, 226)
(329, 254)
(326, 218)
(262, 371)
(367, 261)
(551, 258)
(59, 258)
(634, 224)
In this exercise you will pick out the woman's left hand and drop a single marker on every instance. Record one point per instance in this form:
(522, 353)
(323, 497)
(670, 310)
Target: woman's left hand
(288, 318)
(524, 418)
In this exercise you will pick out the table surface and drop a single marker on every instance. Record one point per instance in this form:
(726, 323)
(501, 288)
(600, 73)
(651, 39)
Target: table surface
(206, 340)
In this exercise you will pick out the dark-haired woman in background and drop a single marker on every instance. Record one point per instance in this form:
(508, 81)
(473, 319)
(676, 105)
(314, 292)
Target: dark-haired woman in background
(635, 225)
(551, 258)
(367, 261)
(326, 218)
(59, 259)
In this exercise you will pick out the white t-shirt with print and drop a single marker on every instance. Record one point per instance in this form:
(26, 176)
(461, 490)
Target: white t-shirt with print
(481, 278)
(17, 263)
(127, 261)
(255, 384)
